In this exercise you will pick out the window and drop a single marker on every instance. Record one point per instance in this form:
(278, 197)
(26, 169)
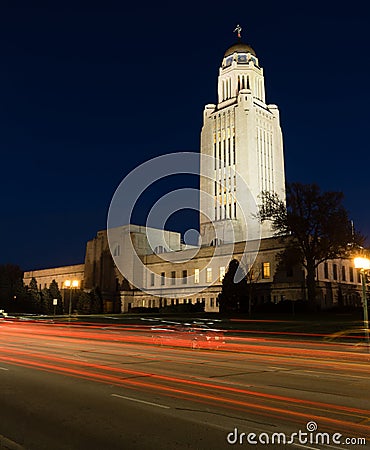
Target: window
(184, 277)
(117, 250)
(222, 273)
(173, 277)
(343, 273)
(196, 276)
(266, 270)
(211, 302)
(351, 274)
(209, 275)
(152, 279)
(163, 278)
(159, 249)
(335, 271)
(326, 270)
(215, 242)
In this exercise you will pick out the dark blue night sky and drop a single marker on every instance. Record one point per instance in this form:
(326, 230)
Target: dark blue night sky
(90, 90)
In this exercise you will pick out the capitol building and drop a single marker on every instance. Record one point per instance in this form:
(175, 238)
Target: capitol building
(241, 156)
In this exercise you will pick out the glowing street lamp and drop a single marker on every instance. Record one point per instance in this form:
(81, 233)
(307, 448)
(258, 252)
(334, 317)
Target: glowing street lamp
(363, 264)
(70, 284)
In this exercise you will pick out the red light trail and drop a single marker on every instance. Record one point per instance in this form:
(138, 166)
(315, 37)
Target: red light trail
(49, 347)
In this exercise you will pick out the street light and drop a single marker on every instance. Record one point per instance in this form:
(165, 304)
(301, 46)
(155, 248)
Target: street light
(363, 264)
(70, 284)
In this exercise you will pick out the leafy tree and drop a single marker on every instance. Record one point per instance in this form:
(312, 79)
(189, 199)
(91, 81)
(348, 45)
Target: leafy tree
(234, 295)
(314, 223)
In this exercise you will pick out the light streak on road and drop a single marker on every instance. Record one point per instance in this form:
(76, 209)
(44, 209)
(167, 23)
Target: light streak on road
(29, 345)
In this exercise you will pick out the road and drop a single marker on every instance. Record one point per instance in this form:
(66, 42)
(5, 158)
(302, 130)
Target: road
(80, 386)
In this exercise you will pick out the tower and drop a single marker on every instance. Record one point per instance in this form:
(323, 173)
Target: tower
(243, 135)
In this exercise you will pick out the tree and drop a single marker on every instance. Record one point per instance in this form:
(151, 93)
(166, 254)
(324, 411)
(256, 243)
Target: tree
(11, 286)
(84, 303)
(96, 301)
(34, 295)
(46, 301)
(234, 295)
(314, 223)
(55, 294)
(251, 278)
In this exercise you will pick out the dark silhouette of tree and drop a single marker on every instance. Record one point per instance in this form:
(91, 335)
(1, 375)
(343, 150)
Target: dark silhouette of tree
(34, 296)
(234, 295)
(46, 301)
(12, 290)
(56, 294)
(314, 223)
(251, 278)
(84, 303)
(96, 301)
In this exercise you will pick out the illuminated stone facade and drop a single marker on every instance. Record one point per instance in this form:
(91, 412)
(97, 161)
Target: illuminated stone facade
(242, 133)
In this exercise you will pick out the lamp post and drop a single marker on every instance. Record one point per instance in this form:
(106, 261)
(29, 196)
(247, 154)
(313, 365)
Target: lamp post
(70, 284)
(363, 264)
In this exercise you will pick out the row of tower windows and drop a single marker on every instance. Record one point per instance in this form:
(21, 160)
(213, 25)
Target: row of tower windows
(264, 146)
(243, 82)
(225, 152)
(226, 211)
(223, 188)
(227, 119)
(226, 88)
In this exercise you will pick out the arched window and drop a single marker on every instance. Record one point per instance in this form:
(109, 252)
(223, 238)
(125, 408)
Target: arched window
(159, 249)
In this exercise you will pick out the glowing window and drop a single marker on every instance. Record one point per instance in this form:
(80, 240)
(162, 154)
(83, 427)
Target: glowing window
(222, 273)
(209, 275)
(196, 276)
(266, 270)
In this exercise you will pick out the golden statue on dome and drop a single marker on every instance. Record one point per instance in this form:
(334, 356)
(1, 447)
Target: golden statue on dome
(238, 29)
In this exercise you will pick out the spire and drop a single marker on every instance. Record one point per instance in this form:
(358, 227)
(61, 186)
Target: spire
(238, 29)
